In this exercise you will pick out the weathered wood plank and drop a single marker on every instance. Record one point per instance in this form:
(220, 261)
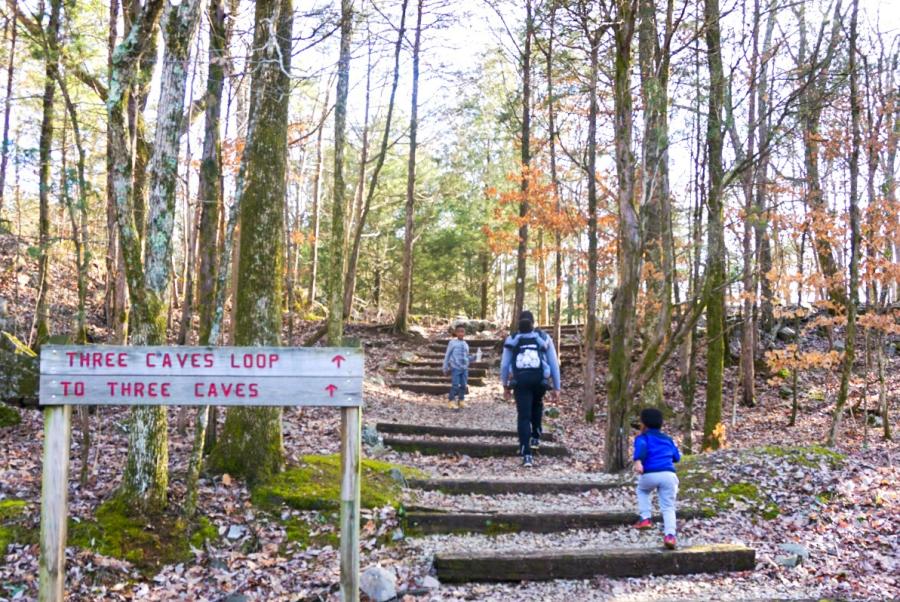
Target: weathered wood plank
(474, 381)
(431, 522)
(195, 390)
(448, 431)
(206, 361)
(475, 449)
(252, 376)
(54, 500)
(351, 419)
(536, 565)
(503, 486)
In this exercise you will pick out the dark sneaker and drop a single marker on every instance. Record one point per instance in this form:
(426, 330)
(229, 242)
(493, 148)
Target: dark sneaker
(669, 542)
(644, 523)
(528, 461)
(535, 442)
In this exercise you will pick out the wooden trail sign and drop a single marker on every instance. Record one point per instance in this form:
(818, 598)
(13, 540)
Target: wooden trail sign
(221, 376)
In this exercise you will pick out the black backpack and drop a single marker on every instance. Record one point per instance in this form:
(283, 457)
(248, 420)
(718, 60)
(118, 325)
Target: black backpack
(528, 355)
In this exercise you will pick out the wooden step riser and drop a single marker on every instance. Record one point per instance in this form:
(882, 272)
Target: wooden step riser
(414, 373)
(438, 363)
(431, 523)
(585, 564)
(474, 449)
(501, 487)
(473, 343)
(473, 381)
(428, 388)
(448, 431)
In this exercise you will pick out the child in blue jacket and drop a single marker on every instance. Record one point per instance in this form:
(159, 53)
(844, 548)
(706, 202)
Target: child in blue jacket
(655, 456)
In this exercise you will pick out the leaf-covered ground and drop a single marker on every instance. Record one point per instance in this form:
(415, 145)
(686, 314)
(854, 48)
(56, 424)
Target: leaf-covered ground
(844, 510)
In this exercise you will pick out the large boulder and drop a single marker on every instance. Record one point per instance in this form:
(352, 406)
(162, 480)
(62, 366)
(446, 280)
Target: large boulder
(472, 326)
(378, 583)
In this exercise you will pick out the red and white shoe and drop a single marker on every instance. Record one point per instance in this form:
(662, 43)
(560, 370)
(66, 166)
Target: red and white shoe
(669, 542)
(643, 524)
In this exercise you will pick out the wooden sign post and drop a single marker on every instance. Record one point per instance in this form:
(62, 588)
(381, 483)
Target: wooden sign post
(221, 376)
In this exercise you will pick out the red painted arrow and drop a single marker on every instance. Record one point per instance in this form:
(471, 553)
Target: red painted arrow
(331, 389)
(338, 359)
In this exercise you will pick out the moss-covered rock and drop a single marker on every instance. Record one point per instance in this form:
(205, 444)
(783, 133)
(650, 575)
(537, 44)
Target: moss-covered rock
(318, 532)
(315, 484)
(19, 377)
(702, 486)
(146, 542)
(807, 456)
(9, 416)
(12, 525)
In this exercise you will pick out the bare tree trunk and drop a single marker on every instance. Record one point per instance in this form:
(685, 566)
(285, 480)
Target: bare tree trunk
(554, 176)
(10, 77)
(589, 395)
(363, 213)
(317, 177)
(623, 324)
(401, 323)
(42, 309)
(850, 343)
(522, 250)
(748, 324)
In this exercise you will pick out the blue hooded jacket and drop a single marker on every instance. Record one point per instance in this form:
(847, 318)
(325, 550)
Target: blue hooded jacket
(656, 451)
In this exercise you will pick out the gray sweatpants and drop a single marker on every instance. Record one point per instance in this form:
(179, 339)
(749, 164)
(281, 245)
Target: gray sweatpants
(666, 485)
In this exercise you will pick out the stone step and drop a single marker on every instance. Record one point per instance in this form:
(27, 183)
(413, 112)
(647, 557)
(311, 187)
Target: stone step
(453, 486)
(424, 522)
(540, 565)
(473, 343)
(414, 373)
(448, 431)
(474, 449)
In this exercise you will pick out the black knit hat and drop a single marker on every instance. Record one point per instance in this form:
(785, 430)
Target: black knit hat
(526, 321)
(651, 418)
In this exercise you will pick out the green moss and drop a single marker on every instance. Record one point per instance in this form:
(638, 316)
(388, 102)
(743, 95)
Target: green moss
(816, 394)
(203, 531)
(783, 373)
(311, 534)
(12, 527)
(315, 484)
(147, 542)
(9, 416)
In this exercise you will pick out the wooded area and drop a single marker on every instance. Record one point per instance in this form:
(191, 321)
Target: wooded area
(697, 199)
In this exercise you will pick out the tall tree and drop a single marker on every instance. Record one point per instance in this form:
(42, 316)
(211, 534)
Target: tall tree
(401, 323)
(146, 473)
(655, 208)
(525, 143)
(713, 429)
(49, 42)
(628, 261)
(251, 443)
(336, 269)
(856, 142)
(816, 64)
(350, 280)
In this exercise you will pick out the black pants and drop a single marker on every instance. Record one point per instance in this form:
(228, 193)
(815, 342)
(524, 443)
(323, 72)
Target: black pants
(529, 394)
